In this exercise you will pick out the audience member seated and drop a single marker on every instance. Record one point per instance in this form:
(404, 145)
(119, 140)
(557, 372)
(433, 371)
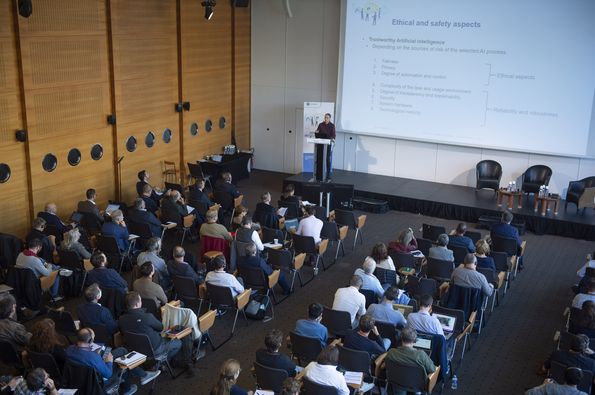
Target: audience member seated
(265, 213)
(310, 225)
(179, 267)
(117, 229)
(584, 321)
(252, 260)
(468, 276)
(440, 250)
(384, 310)
(247, 234)
(173, 208)
(350, 299)
(143, 177)
(37, 381)
(71, 243)
(92, 313)
(224, 185)
(137, 320)
(89, 206)
(140, 215)
(402, 297)
(311, 327)
(145, 286)
(212, 228)
(380, 257)
(196, 193)
(36, 232)
(291, 386)
(369, 280)
(228, 376)
(572, 377)
(482, 249)
(45, 339)
(405, 243)
(458, 238)
(220, 278)
(580, 298)
(324, 371)
(271, 357)
(358, 339)
(406, 355)
(82, 354)
(238, 216)
(288, 195)
(151, 254)
(29, 259)
(422, 321)
(50, 215)
(578, 356)
(102, 275)
(150, 204)
(505, 229)
(10, 329)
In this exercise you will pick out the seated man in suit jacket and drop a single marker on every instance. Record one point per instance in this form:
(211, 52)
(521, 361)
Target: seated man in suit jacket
(104, 276)
(89, 205)
(197, 193)
(140, 215)
(505, 229)
(92, 313)
(117, 229)
(179, 267)
(265, 214)
(251, 259)
(143, 177)
(150, 204)
(51, 218)
(224, 185)
(173, 208)
(36, 232)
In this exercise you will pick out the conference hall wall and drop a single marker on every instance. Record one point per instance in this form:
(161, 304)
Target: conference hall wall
(74, 62)
(297, 59)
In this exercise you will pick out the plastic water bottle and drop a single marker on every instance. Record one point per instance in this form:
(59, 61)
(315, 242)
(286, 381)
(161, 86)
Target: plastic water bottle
(454, 383)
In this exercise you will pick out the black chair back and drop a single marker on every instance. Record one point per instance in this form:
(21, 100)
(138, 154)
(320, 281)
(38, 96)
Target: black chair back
(224, 199)
(369, 295)
(304, 244)
(90, 222)
(241, 248)
(459, 253)
(504, 244)
(304, 348)
(70, 260)
(293, 209)
(9, 355)
(279, 259)
(354, 360)
(489, 274)
(488, 174)
(534, 177)
(253, 277)
(186, 291)
(269, 235)
(47, 362)
(464, 298)
(102, 334)
(141, 229)
(330, 231)
(195, 170)
(151, 307)
(268, 378)
(431, 232)
(312, 388)
(439, 269)
(402, 259)
(113, 300)
(82, 378)
(388, 331)
(337, 322)
(500, 260)
(424, 245)
(345, 217)
(220, 296)
(63, 321)
(139, 342)
(417, 287)
(405, 378)
(386, 276)
(473, 235)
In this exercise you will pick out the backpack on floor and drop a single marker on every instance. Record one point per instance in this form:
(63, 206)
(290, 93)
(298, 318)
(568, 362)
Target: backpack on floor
(257, 307)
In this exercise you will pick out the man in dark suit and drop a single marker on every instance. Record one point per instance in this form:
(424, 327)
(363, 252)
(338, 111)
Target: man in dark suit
(51, 218)
(89, 205)
(179, 267)
(143, 177)
(251, 259)
(117, 229)
(505, 229)
(173, 208)
(197, 194)
(136, 320)
(36, 232)
(92, 313)
(458, 238)
(140, 215)
(224, 185)
(265, 214)
(150, 204)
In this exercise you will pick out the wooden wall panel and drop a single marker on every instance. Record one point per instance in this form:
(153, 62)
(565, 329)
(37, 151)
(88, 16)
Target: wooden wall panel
(206, 48)
(67, 97)
(146, 83)
(14, 197)
(241, 70)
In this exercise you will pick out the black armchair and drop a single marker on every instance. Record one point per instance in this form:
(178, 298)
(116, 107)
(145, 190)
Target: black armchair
(488, 174)
(534, 177)
(576, 189)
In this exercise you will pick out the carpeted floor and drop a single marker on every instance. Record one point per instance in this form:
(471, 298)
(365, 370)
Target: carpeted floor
(504, 360)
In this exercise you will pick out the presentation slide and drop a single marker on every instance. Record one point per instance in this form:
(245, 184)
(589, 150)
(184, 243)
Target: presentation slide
(508, 74)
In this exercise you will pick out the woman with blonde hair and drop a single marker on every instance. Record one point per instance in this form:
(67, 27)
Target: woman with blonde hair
(405, 243)
(228, 376)
(71, 243)
(482, 249)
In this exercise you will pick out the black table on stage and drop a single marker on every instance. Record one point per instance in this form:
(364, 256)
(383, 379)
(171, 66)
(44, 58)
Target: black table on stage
(237, 164)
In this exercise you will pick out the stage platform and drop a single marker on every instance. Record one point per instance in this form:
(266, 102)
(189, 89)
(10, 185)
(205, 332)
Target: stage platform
(457, 202)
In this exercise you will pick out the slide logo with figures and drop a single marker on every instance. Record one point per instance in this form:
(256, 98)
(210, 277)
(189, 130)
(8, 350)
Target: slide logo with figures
(369, 12)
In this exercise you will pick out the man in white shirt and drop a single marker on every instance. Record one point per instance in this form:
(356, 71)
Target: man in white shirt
(349, 299)
(370, 282)
(222, 279)
(581, 298)
(310, 225)
(324, 371)
(422, 321)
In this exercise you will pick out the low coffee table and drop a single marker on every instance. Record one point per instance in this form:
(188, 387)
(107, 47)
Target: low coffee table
(545, 203)
(511, 195)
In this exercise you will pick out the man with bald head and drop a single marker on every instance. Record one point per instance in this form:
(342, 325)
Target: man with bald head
(51, 218)
(179, 267)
